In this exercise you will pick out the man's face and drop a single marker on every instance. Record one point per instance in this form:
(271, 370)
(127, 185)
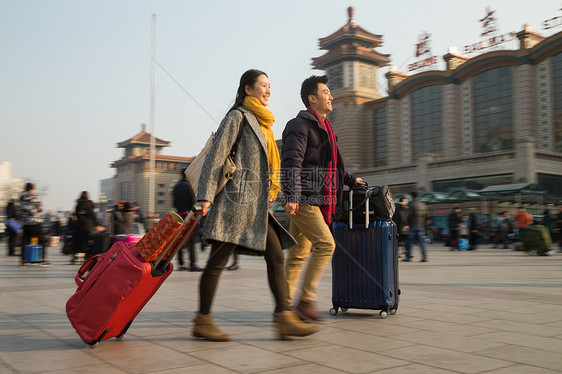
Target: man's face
(321, 103)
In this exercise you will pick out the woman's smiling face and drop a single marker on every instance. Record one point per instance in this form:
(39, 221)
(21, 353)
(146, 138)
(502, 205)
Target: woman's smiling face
(260, 90)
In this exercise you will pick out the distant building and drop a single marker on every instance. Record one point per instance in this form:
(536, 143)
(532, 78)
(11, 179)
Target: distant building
(495, 118)
(10, 187)
(131, 181)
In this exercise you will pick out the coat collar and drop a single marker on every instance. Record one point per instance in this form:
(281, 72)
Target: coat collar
(254, 125)
(310, 117)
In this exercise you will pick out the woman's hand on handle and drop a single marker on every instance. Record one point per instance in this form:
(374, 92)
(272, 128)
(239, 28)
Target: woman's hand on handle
(204, 205)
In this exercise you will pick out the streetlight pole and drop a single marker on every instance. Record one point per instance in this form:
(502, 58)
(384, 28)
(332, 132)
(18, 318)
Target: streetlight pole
(151, 183)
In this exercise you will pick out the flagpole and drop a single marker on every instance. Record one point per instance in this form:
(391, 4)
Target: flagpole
(151, 183)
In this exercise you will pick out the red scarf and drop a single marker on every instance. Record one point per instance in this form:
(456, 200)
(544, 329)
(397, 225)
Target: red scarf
(328, 206)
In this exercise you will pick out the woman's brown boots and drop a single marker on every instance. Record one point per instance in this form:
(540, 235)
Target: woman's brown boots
(204, 327)
(289, 324)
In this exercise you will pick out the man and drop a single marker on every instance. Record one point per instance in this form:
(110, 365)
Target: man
(30, 208)
(559, 227)
(401, 219)
(312, 178)
(184, 198)
(417, 219)
(472, 230)
(523, 218)
(454, 221)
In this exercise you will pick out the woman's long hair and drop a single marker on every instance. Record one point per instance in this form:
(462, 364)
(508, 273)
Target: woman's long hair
(249, 78)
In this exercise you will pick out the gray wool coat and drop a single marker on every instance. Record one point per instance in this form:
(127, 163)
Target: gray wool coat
(239, 214)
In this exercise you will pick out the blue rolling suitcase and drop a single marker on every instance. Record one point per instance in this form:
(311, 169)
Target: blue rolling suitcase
(365, 266)
(32, 254)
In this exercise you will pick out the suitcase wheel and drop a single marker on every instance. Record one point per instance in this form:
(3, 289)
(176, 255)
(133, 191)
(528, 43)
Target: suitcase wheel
(344, 310)
(392, 312)
(383, 314)
(333, 311)
(93, 345)
(122, 334)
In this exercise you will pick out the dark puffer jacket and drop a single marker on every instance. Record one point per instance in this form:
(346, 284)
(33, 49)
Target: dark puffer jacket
(304, 161)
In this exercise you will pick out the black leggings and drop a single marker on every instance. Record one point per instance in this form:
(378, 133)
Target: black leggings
(275, 261)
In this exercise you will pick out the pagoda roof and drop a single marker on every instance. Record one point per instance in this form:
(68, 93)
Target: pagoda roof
(349, 51)
(146, 156)
(142, 138)
(351, 33)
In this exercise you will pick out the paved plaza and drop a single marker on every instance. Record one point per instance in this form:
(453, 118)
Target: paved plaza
(487, 311)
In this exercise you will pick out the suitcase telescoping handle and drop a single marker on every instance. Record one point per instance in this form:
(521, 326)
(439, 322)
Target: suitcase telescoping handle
(190, 224)
(368, 193)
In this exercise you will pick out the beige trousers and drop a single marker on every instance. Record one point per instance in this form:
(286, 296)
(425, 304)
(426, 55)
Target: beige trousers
(315, 244)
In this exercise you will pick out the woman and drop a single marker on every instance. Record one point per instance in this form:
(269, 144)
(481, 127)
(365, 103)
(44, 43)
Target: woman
(240, 217)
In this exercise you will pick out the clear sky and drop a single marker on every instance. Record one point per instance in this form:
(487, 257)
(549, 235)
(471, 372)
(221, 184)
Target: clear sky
(75, 74)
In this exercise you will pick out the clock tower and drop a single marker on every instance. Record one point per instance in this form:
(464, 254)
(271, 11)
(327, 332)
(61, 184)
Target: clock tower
(352, 64)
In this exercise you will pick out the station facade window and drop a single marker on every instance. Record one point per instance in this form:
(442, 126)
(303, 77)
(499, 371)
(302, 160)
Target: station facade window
(557, 100)
(380, 137)
(427, 120)
(493, 110)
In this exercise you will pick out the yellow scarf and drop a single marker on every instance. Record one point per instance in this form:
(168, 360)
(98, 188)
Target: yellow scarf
(266, 119)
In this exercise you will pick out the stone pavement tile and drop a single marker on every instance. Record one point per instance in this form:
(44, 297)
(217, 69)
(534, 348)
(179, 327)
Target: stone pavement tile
(346, 359)
(375, 326)
(246, 359)
(535, 318)
(522, 369)
(447, 359)
(54, 359)
(448, 341)
(137, 356)
(524, 355)
(525, 340)
(182, 341)
(27, 341)
(268, 339)
(444, 308)
(449, 317)
(525, 328)
(447, 327)
(413, 369)
(206, 369)
(305, 369)
(359, 340)
(97, 369)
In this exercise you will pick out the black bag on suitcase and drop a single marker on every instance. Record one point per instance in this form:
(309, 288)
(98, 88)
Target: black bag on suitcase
(365, 263)
(377, 201)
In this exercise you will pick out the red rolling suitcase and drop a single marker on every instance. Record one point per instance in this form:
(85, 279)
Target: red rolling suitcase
(113, 287)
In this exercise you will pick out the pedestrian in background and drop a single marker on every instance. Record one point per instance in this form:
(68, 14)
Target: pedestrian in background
(454, 221)
(13, 226)
(30, 209)
(313, 179)
(417, 219)
(89, 234)
(239, 217)
(473, 232)
(400, 218)
(184, 198)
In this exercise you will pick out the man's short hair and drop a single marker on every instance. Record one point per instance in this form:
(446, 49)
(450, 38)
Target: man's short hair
(29, 187)
(414, 195)
(310, 87)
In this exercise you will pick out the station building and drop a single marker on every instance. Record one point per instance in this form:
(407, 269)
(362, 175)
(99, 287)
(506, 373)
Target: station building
(492, 119)
(132, 176)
